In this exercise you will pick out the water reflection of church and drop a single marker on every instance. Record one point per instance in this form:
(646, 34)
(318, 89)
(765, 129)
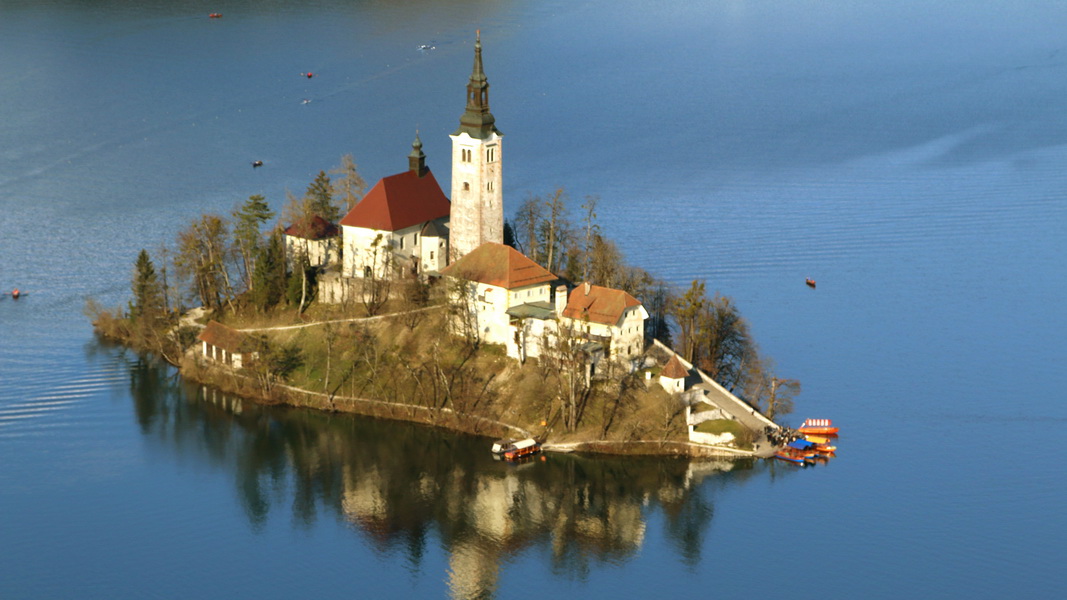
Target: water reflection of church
(575, 507)
(402, 485)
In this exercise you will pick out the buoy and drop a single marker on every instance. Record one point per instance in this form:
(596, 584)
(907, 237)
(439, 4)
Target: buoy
(15, 293)
(310, 75)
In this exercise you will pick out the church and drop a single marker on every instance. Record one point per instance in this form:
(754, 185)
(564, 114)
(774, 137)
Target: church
(406, 226)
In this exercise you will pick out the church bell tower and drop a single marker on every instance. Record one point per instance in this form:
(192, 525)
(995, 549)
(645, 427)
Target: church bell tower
(477, 195)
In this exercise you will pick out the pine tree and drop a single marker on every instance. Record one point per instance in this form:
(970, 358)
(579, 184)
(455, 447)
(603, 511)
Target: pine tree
(147, 290)
(320, 198)
(247, 221)
(268, 278)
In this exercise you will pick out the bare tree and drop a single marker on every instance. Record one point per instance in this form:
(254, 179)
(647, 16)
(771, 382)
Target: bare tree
(686, 311)
(566, 361)
(724, 345)
(463, 310)
(203, 248)
(349, 186)
(377, 276)
(528, 225)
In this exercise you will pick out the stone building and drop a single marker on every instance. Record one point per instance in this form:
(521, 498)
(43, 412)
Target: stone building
(477, 169)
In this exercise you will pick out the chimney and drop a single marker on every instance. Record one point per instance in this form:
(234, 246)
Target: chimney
(587, 287)
(561, 299)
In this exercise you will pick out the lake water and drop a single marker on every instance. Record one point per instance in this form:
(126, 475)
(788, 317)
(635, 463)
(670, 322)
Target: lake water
(909, 156)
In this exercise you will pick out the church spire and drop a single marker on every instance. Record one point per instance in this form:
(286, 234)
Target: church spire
(417, 159)
(477, 121)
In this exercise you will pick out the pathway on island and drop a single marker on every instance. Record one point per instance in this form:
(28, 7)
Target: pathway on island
(351, 320)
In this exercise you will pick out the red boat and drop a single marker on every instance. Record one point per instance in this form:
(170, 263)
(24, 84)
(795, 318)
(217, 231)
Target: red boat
(800, 457)
(818, 427)
(810, 282)
(215, 15)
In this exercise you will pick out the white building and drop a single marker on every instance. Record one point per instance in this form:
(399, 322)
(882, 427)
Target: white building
(317, 239)
(226, 346)
(607, 315)
(504, 289)
(401, 225)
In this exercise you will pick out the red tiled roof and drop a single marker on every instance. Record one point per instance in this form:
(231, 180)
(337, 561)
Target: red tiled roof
(399, 201)
(499, 265)
(315, 229)
(224, 337)
(674, 369)
(598, 304)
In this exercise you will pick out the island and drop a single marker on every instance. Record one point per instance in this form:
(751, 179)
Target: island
(403, 303)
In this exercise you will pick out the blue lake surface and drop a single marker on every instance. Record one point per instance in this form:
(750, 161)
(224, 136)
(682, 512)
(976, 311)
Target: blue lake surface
(909, 156)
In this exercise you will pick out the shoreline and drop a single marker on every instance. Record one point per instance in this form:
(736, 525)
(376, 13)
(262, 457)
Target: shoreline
(448, 419)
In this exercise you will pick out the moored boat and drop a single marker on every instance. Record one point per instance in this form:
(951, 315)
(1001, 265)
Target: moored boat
(522, 449)
(818, 427)
(810, 282)
(800, 457)
(502, 446)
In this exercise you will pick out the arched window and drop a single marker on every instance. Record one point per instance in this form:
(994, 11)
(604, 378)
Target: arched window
(466, 186)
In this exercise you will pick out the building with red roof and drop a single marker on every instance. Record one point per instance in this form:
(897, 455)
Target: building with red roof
(606, 314)
(226, 345)
(316, 238)
(508, 295)
(401, 224)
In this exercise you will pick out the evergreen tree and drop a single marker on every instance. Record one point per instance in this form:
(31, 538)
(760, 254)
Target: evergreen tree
(147, 290)
(268, 278)
(320, 198)
(247, 237)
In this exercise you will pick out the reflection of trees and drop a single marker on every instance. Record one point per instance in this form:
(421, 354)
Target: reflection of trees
(399, 483)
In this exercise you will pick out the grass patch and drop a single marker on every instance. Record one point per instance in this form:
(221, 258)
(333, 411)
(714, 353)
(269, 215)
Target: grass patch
(721, 426)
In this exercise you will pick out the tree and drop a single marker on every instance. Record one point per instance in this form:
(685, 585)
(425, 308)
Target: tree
(555, 229)
(528, 226)
(301, 286)
(203, 248)
(686, 312)
(604, 263)
(147, 304)
(246, 233)
(377, 276)
(273, 363)
(269, 276)
(658, 302)
(592, 232)
(566, 362)
(724, 344)
(463, 310)
(350, 186)
(319, 196)
(509, 236)
(766, 391)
